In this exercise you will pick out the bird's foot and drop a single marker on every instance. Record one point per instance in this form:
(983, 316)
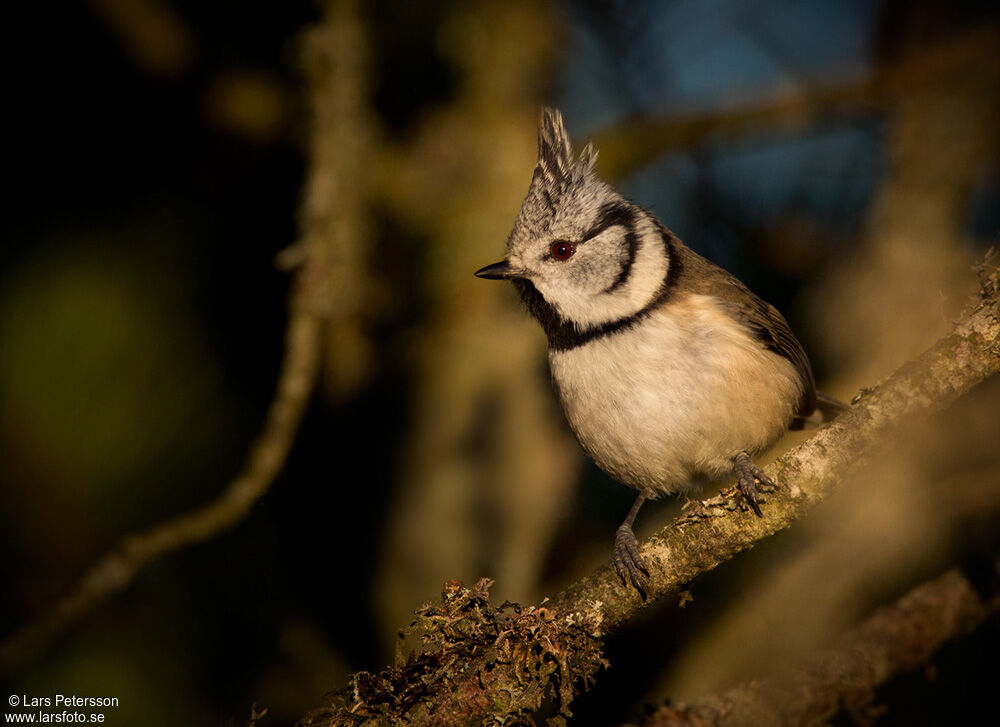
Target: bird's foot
(628, 562)
(747, 476)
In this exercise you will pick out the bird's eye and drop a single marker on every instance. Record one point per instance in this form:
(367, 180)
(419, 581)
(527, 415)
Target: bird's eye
(562, 250)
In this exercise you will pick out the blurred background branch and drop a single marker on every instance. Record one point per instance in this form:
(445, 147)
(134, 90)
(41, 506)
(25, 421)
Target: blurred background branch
(633, 141)
(893, 640)
(335, 235)
(322, 327)
(116, 570)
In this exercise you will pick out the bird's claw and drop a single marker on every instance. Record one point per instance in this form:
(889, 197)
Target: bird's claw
(747, 475)
(628, 562)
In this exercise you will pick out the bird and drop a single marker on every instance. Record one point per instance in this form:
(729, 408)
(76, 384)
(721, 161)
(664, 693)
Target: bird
(670, 371)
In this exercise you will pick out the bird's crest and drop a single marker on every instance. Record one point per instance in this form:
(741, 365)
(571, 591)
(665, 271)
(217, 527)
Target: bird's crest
(557, 171)
(556, 165)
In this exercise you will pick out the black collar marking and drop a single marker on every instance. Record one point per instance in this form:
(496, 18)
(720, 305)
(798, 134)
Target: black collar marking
(564, 336)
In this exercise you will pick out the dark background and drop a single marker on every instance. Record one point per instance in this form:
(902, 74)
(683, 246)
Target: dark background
(156, 157)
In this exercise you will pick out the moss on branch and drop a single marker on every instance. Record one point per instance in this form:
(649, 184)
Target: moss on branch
(477, 661)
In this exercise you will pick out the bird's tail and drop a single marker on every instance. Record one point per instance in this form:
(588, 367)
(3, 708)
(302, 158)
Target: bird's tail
(827, 409)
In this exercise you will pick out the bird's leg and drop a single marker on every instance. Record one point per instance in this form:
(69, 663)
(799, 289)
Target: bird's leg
(746, 473)
(628, 562)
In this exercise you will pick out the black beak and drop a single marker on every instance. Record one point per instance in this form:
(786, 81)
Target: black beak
(499, 271)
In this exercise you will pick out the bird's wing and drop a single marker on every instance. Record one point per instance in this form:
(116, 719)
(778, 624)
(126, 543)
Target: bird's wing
(759, 317)
(771, 329)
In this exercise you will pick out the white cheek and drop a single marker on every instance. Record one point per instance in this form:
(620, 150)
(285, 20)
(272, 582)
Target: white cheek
(587, 301)
(589, 272)
(572, 301)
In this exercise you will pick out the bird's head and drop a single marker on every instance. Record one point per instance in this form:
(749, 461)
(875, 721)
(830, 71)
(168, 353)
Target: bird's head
(580, 253)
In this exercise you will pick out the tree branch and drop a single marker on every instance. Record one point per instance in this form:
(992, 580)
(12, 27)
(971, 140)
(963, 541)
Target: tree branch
(893, 640)
(715, 530)
(634, 142)
(480, 663)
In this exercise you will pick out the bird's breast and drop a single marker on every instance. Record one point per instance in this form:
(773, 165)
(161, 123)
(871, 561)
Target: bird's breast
(670, 400)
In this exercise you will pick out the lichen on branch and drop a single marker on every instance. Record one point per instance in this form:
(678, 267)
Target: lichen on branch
(477, 661)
